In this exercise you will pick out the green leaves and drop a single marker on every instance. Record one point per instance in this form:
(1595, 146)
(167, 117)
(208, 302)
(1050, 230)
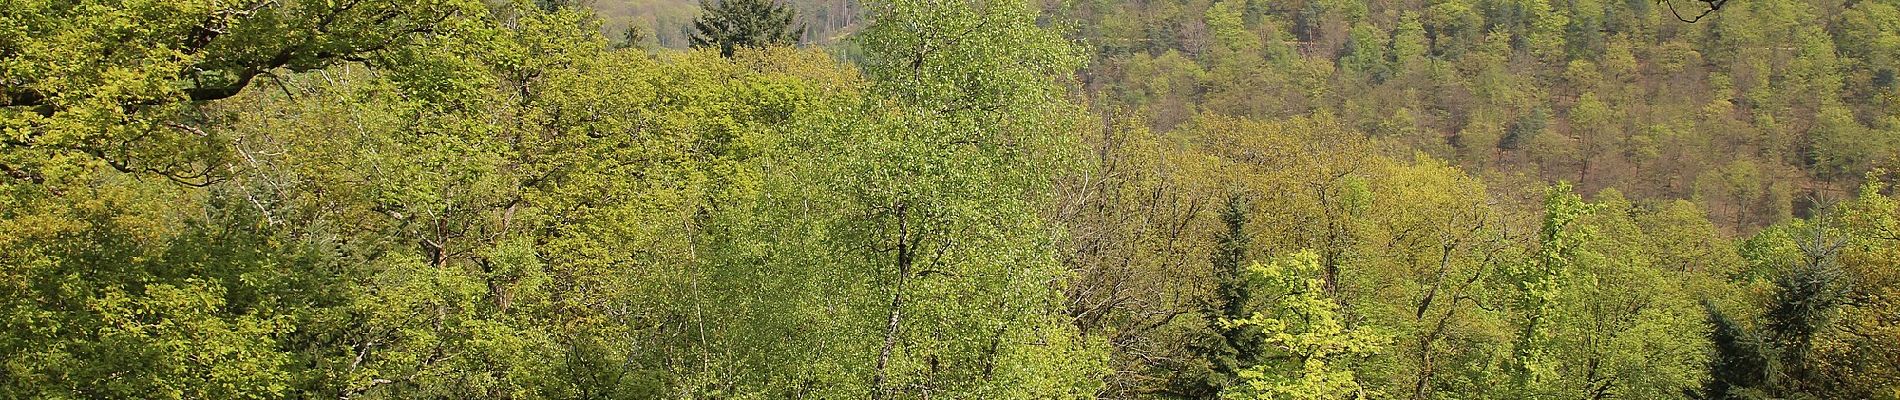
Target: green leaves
(918, 205)
(472, 199)
(1310, 348)
(965, 59)
(117, 82)
(124, 296)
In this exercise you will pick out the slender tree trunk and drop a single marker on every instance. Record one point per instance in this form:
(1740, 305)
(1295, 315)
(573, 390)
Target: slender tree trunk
(1426, 368)
(897, 304)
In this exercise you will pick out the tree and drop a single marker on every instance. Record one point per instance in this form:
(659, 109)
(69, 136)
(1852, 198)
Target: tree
(729, 25)
(1777, 358)
(1228, 348)
(1365, 53)
(1742, 362)
(114, 82)
(1310, 346)
(116, 297)
(382, 199)
(906, 225)
(1802, 306)
(1540, 285)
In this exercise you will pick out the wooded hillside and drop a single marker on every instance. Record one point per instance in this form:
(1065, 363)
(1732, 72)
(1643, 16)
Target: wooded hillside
(911, 199)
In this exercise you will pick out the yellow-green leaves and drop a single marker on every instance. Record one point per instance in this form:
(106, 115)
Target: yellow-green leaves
(115, 82)
(1310, 349)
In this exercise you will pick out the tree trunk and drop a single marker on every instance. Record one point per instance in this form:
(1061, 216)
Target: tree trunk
(897, 304)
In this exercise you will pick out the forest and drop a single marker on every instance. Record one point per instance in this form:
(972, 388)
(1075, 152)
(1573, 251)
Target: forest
(962, 199)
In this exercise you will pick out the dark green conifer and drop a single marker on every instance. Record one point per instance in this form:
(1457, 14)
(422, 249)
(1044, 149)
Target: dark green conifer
(1227, 349)
(732, 24)
(1743, 363)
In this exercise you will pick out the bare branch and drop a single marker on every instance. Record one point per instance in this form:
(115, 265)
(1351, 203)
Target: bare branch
(1712, 4)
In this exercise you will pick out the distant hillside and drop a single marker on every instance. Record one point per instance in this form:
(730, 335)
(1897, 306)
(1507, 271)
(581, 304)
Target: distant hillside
(1759, 112)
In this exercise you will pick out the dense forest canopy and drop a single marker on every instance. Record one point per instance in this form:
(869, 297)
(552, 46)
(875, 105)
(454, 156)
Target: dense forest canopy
(1769, 111)
(909, 199)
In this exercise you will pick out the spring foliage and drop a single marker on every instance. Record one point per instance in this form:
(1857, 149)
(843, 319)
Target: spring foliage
(967, 199)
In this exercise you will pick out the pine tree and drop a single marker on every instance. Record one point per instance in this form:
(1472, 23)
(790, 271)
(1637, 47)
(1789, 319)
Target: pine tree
(733, 24)
(1229, 349)
(1773, 361)
(1229, 261)
(1802, 304)
(1742, 363)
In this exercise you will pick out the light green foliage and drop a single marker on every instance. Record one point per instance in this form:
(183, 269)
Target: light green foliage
(114, 82)
(1539, 285)
(1410, 47)
(1308, 346)
(928, 190)
(1231, 38)
(478, 246)
(1843, 147)
(1778, 84)
(1237, 57)
(1603, 315)
(500, 214)
(1795, 348)
(1636, 301)
(380, 199)
(1428, 238)
(1854, 359)
(1168, 91)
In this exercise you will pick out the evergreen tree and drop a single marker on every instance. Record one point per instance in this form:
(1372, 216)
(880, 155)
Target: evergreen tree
(1229, 348)
(1802, 304)
(1742, 362)
(1229, 259)
(1774, 361)
(733, 24)
(1524, 128)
